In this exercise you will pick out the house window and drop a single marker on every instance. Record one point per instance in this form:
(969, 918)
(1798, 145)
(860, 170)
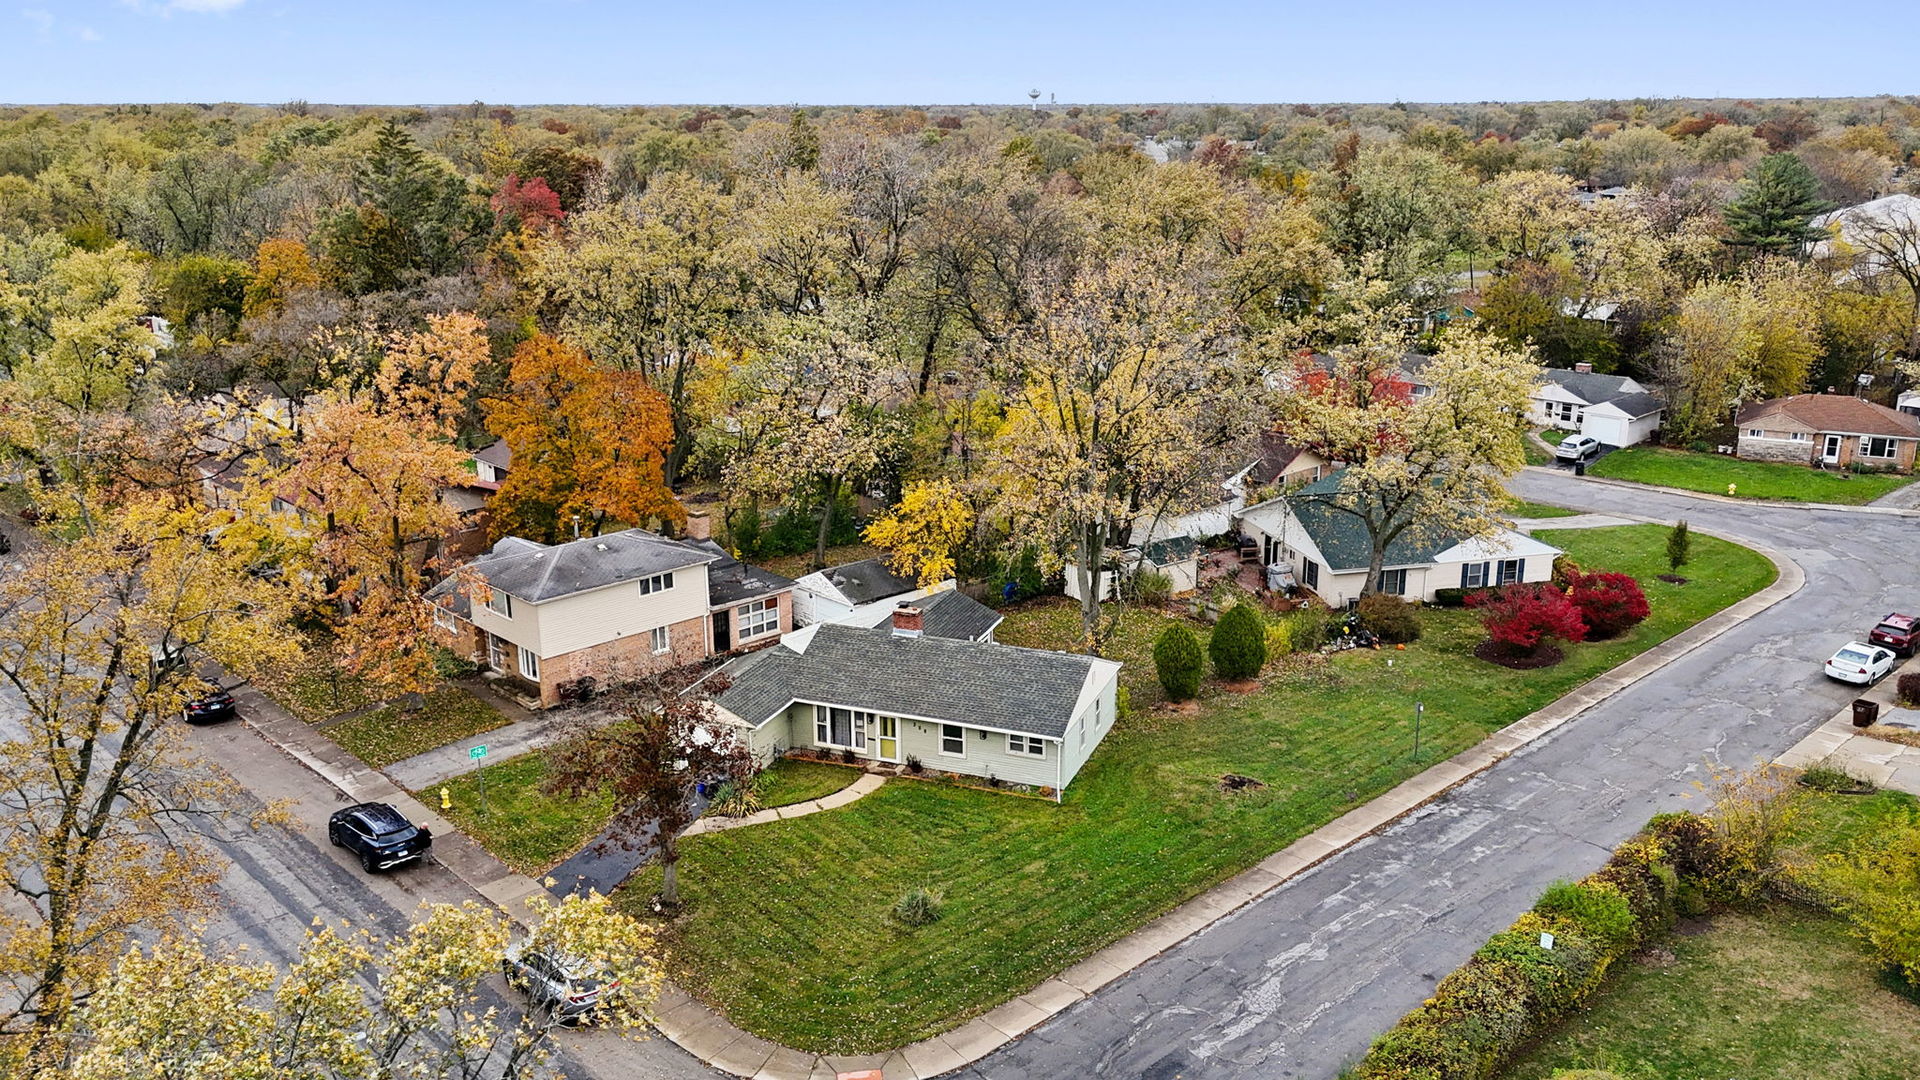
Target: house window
(1511, 570)
(529, 664)
(1798, 436)
(953, 740)
(845, 728)
(1030, 745)
(443, 619)
(661, 640)
(1753, 433)
(759, 617)
(656, 583)
(1392, 582)
(500, 603)
(1877, 446)
(1473, 575)
(1310, 573)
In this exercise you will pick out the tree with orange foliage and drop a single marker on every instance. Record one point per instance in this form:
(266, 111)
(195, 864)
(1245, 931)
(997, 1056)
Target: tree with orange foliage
(589, 446)
(368, 473)
(281, 268)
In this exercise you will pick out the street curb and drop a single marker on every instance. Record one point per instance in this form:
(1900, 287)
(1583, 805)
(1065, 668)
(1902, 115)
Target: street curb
(716, 1041)
(1839, 731)
(1888, 511)
(709, 1036)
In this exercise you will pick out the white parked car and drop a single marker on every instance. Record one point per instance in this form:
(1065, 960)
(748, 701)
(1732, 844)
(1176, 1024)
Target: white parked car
(1577, 448)
(1861, 664)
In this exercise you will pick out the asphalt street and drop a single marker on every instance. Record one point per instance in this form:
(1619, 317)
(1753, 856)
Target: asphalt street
(281, 879)
(1298, 983)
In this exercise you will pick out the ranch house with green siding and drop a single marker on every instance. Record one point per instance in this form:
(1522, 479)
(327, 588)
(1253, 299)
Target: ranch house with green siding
(896, 692)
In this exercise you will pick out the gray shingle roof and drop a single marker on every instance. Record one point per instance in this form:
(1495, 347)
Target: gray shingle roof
(730, 581)
(977, 684)
(867, 580)
(1343, 538)
(1592, 387)
(495, 453)
(954, 614)
(536, 572)
(1638, 405)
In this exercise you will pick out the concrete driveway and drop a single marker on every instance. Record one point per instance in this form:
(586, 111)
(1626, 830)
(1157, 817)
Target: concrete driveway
(1298, 984)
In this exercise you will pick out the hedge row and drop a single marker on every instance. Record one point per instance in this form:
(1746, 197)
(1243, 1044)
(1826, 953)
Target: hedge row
(1514, 989)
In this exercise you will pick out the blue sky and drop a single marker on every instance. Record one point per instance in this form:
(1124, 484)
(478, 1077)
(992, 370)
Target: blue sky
(907, 52)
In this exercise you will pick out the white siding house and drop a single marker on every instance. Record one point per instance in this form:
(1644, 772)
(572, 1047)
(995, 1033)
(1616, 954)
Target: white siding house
(1328, 551)
(1614, 409)
(893, 694)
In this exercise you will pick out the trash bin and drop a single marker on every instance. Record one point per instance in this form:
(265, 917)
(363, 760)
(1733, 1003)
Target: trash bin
(1865, 712)
(1579, 468)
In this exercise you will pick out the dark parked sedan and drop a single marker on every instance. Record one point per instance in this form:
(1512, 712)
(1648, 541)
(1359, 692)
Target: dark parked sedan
(210, 707)
(379, 834)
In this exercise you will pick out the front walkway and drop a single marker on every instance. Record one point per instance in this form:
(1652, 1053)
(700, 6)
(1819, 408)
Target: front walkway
(1576, 521)
(607, 860)
(526, 732)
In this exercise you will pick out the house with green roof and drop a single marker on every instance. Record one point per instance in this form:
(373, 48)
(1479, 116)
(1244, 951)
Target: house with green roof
(1327, 549)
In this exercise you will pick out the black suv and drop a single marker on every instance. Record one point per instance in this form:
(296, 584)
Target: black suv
(379, 834)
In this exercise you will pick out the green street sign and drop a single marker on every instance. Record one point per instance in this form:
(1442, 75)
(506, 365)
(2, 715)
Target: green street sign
(477, 752)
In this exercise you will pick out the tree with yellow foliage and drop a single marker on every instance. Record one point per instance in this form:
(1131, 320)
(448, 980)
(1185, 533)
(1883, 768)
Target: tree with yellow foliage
(102, 813)
(923, 530)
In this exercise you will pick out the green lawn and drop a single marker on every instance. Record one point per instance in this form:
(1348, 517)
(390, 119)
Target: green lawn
(786, 781)
(531, 831)
(1712, 473)
(1552, 436)
(1032, 887)
(1779, 993)
(528, 830)
(392, 734)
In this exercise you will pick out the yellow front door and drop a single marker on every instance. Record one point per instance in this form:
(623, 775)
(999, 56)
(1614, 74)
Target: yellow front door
(889, 738)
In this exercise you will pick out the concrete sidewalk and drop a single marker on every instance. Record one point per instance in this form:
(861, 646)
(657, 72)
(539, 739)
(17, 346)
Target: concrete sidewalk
(1575, 521)
(1880, 762)
(466, 860)
(443, 763)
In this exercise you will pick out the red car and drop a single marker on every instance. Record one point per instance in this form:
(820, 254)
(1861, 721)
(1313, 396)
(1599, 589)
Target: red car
(1897, 632)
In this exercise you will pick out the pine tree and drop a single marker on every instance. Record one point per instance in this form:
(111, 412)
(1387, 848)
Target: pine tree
(1678, 543)
(1776, 206)
(1178, 661)
(803, 143)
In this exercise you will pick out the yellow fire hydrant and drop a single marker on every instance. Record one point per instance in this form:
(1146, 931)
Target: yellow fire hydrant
(1733, 489)
(446, 800)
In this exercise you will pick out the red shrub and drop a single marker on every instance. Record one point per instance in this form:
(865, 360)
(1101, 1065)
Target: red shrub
(1610, 604)
(1520, 618)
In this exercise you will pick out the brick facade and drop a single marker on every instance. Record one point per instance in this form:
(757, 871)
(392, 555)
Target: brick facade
(625, 658)
(1781, 446)
(759, 641)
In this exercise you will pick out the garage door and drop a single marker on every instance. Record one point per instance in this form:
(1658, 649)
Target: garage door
(1607, 429)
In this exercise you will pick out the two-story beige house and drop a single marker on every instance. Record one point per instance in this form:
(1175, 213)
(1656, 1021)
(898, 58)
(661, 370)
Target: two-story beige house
(612, 607)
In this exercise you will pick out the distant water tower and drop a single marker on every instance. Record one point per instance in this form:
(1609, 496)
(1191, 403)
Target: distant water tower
(1034, 96)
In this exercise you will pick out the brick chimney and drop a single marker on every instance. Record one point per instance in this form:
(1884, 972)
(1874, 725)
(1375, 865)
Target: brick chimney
(906, 621)
(699, 525)
(1583, 367)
